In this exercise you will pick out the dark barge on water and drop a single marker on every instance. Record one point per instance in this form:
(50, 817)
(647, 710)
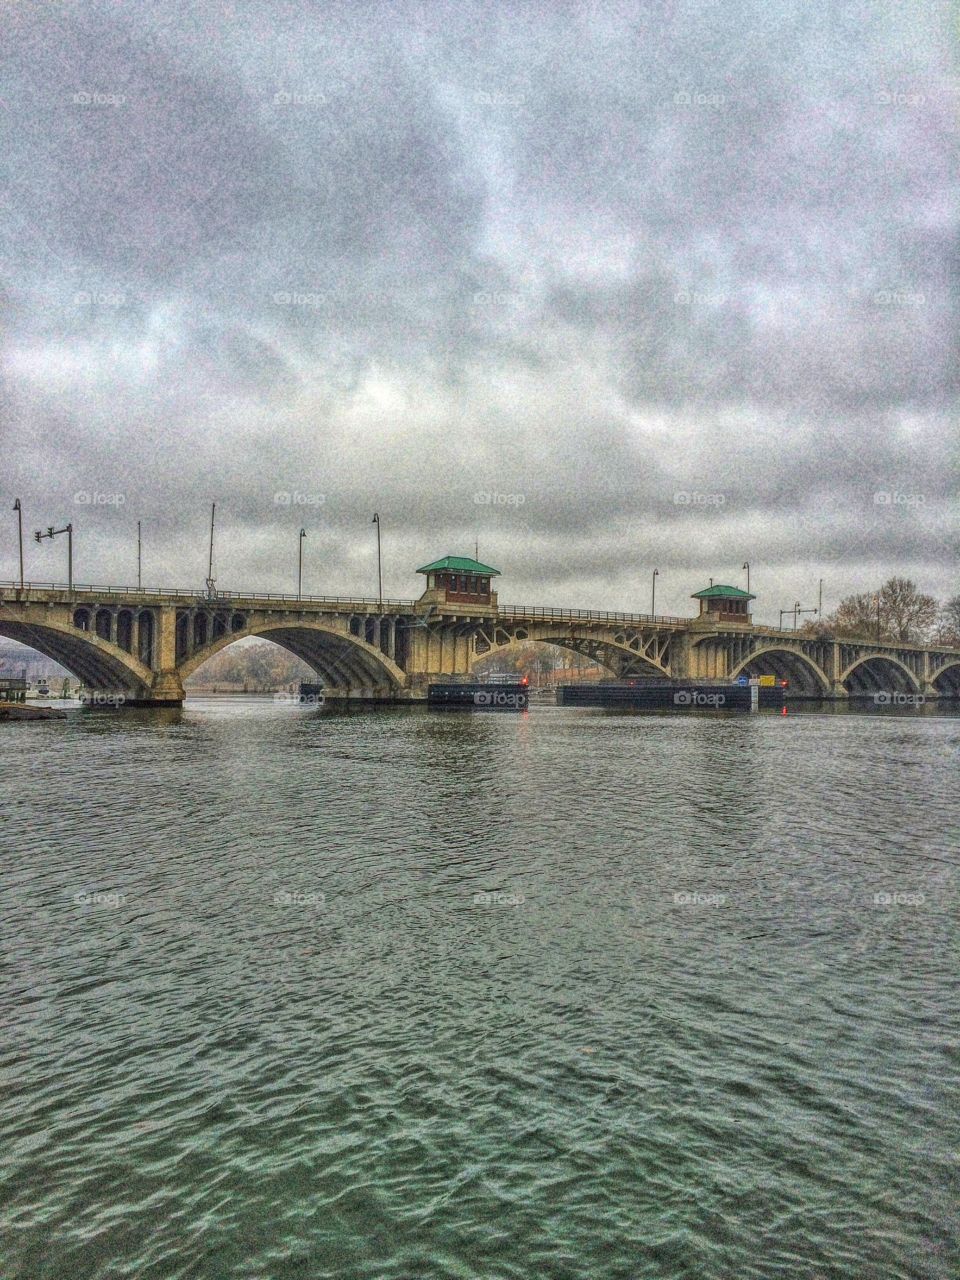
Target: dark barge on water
(480, 696)
(672, 695)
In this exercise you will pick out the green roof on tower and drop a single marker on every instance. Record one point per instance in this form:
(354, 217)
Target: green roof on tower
(720, 592)
(460, 564)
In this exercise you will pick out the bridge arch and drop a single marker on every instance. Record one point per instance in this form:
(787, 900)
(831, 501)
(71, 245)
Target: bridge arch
(96, 662)
(788, 664)
(340, 659)
(618, 656)
(525, 642)
(879, 673)
(946, 679)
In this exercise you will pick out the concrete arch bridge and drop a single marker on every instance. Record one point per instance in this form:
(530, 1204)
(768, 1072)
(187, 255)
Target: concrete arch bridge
(141, 645)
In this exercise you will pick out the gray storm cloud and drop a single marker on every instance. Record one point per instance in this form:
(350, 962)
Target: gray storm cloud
(606, 288)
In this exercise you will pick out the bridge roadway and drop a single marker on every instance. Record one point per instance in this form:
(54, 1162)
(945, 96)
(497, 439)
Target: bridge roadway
(138, 646)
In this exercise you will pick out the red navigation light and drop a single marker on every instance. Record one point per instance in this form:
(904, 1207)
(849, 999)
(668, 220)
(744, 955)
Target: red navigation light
(783, 684)
(524, 680)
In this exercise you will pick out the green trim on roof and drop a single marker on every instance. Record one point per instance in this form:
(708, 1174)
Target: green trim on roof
(460, 564)
(720, 592)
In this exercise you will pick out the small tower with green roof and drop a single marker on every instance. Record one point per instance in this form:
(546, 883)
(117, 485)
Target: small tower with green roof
(460, 582)
(724, 604)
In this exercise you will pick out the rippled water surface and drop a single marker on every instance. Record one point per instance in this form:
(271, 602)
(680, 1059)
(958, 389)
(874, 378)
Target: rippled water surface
(406, 994)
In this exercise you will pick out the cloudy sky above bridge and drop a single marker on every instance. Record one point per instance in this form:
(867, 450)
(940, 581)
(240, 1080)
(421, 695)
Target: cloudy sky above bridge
(604, 286)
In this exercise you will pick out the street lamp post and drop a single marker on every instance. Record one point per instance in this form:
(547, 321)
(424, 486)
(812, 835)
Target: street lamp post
(746, 565)
(139, 558)
(653, 593)
(211, 583)
(19, 510)
(52, 533)
(376, 521)
(878, 616)
(303, 534)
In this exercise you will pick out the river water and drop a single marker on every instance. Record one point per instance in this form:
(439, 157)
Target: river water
(411, 995)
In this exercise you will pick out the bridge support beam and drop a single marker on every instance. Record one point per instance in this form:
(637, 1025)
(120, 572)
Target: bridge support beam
(166, 691)
(167, 687)
(680, 656)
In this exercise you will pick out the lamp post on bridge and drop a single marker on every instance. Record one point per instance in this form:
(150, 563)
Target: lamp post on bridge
(376, 521)
(19, 510)
(52, 533)
(211, 582)
(303, 534)
(653, 593)
(139, 550)
(746, 565)
(877, 600)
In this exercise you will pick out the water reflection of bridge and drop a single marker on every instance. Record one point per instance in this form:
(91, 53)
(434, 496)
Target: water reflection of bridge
(144, 644)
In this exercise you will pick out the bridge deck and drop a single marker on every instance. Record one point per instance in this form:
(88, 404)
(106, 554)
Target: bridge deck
(193, 598)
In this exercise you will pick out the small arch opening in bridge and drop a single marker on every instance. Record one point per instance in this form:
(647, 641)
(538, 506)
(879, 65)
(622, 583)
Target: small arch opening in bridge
(125, 630)
(102, 624)
(81, 619)
(145, 636)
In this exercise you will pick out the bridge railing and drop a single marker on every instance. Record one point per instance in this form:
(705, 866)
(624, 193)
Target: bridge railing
(194, 594)
(509, 611)
(588, 615)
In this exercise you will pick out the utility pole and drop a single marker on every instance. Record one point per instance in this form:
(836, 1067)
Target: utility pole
(303, 534)
(797, 611)
(210, 579)
(19, 510)
(820, 601)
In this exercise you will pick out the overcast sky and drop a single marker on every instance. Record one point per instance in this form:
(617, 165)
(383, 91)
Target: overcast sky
(607, 287)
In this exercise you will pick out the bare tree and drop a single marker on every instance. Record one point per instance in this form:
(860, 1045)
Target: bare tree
(910, 615)
(906, 614)
(948, 623)
(855, 618)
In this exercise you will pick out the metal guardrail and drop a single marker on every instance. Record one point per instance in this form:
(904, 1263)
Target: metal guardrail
(588, 615)
(194, 594)
(511, 611)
